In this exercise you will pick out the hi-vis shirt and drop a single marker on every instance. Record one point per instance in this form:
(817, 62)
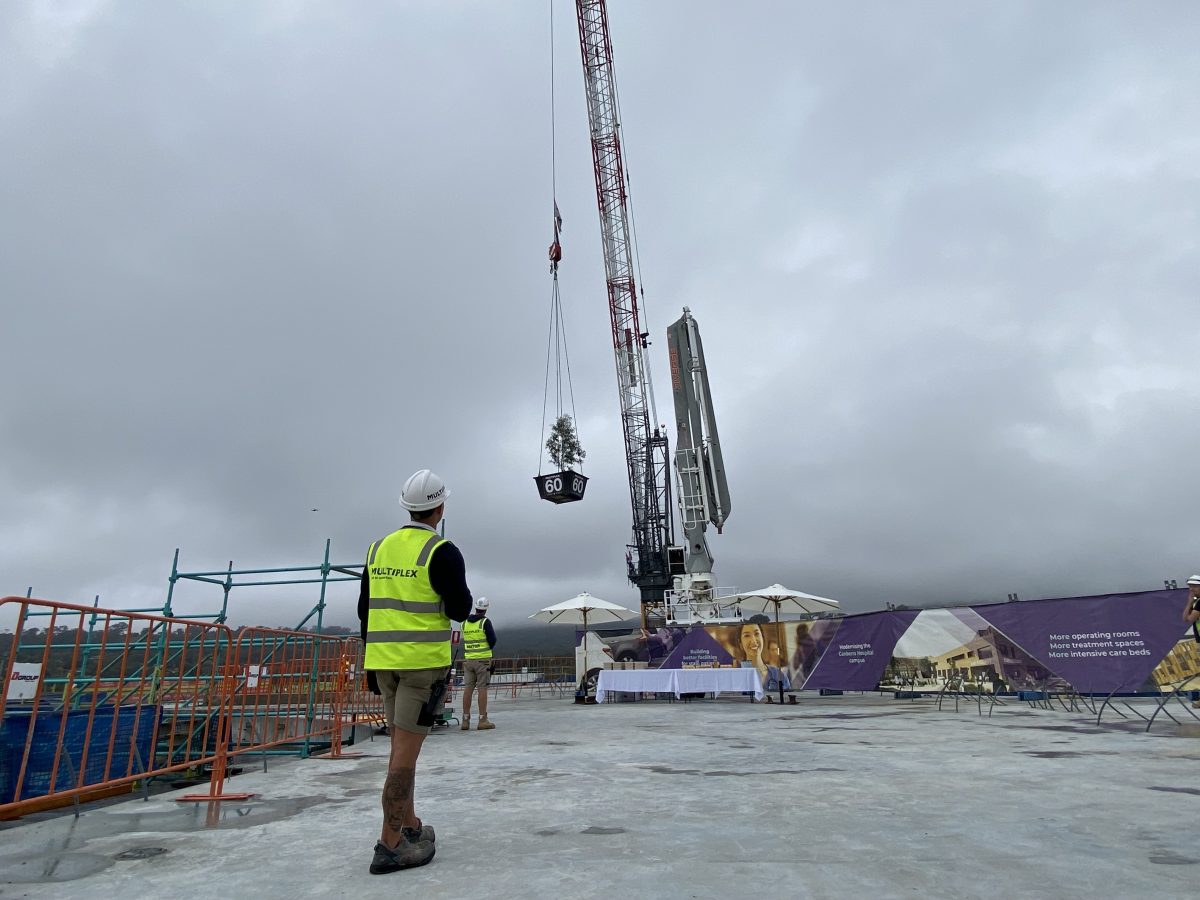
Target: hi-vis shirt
(413, 584)
(475, 638)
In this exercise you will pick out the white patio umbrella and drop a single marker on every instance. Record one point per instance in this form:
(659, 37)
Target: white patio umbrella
(776, 596)
(578, 611)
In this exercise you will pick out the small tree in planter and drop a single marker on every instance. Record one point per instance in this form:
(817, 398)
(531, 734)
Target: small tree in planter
(566, 484)
(563, 445)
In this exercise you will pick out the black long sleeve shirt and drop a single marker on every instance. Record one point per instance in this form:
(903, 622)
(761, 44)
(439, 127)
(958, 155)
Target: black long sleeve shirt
(447, 576)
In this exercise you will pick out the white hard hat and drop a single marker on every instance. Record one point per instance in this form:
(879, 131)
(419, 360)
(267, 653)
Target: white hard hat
(481, 603)
(423, 491)
(1195, 579)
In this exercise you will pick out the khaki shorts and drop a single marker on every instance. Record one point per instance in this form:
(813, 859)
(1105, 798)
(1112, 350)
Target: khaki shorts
(476, 673)
(405, 692)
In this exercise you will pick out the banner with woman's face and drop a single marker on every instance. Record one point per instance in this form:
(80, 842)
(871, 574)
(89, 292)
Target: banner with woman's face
(1098, 644)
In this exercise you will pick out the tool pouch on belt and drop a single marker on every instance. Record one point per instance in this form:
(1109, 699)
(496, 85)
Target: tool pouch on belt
(428, 714)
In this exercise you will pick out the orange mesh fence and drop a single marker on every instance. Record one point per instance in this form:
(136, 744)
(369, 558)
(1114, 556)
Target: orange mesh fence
(285, 688)
(531, 676)
(95, 699)
(359, 704)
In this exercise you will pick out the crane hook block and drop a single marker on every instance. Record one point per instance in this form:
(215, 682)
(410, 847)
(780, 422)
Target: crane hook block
(561, 487)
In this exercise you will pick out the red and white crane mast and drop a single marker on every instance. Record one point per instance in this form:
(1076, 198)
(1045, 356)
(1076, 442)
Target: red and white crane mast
(646, 447)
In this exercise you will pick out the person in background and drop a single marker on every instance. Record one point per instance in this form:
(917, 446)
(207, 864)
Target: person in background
(479, 640)
(1191, 608)
(414, 582)
(1191, 614)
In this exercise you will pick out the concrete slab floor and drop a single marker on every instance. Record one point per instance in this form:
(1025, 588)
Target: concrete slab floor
(835, 797)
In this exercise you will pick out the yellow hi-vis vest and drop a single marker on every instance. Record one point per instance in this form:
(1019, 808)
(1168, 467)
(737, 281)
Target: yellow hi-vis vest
(475, 642)
(407, 626)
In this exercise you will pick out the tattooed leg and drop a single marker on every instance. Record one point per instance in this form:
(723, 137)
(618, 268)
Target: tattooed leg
(398, 787)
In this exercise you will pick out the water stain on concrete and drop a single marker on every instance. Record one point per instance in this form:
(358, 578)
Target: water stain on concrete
(848, 716)
(1177, 790)
(194, 816)
(1172, 859)
(548, 832)
(1052, 754)
(528, 776)
(723, 773)
(53, 867)
(141, 853)
(667, 770)
(597, 829)
(354, 773)
(1065, 754)
(1073, 729)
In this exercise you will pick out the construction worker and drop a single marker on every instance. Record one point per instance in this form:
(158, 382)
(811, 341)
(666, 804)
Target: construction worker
(479, 640)
(413, 584)
(1191, 608)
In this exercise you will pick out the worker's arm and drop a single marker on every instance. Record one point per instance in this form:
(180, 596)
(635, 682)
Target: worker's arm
(364, 604)
(364, 607)
(490, 633)
(448, 576)
(1190, 613)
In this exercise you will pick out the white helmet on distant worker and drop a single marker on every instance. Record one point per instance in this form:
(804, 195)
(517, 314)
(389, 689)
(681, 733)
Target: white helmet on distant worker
(1195, 579)
(423, 491)
(481, 603)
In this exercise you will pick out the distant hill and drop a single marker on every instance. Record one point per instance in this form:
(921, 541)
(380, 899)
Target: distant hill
(534, 640)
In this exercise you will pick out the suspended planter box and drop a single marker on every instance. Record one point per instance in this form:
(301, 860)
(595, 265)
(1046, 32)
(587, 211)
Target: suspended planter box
(561, 487)
(566, 485)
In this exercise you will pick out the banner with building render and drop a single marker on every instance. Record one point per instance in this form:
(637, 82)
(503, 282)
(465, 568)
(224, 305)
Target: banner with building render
(1098, 644)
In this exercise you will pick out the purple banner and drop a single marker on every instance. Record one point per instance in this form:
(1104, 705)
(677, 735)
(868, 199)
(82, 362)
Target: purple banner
(1110, 642)
(859, 651)
(697, 649)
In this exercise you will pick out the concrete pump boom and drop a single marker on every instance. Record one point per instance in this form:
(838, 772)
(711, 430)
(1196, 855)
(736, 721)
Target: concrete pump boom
(703, 489)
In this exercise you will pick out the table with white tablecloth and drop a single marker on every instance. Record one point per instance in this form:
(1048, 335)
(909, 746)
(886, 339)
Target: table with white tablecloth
(678, 681)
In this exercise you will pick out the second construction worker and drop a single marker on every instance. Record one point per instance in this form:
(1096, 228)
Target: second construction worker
(479, 639)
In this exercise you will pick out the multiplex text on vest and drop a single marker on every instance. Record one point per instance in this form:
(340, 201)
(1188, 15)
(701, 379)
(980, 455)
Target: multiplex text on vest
(389, 572)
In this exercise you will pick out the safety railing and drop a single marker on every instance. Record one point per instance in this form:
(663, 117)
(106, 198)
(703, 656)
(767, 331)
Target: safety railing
(89, 708)
(359, 705)
(86, 711)
(532, 676)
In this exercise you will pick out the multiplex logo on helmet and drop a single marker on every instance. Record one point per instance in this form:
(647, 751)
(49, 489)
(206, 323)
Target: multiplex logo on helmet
(423, 491)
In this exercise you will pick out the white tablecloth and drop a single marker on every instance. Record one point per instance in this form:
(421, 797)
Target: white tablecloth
(678, 681)
(660, 681)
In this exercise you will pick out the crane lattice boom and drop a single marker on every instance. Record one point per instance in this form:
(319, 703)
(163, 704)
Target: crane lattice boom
(646, 449)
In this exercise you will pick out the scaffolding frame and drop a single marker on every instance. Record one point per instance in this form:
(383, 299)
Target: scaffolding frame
(272, 577)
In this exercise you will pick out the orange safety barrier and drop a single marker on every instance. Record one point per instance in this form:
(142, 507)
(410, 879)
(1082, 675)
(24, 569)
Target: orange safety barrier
(288, 687)
(359, 704)
(535, 674)
(99, 699)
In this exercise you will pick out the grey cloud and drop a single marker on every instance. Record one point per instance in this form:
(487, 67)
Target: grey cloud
(258, 261)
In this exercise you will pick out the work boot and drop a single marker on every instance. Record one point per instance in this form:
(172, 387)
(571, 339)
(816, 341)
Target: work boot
(417, 835)
(484, 724)
(466, 723)
(406, 855)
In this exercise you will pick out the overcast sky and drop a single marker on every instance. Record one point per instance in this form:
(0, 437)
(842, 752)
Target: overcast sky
(260, 258)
